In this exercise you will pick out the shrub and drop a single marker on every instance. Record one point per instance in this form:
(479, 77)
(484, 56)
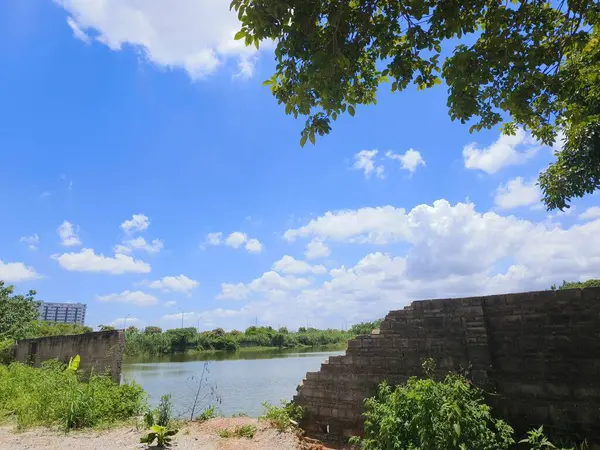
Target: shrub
(282, 417)
(427, 414)
(54, 396)
(7, 351)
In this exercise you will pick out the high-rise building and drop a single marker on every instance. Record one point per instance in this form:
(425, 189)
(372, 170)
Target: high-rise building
(63, 312)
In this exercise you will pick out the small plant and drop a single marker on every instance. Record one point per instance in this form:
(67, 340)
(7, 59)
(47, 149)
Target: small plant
(161, 434)
(73, 365)
(164, 411)
(283, 417)
(207, 414)
(537, 440)
(244, 431)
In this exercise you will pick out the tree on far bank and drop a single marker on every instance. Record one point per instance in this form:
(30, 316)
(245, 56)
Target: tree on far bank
(534, 63)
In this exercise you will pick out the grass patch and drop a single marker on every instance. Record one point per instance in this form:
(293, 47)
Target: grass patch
(244, 431)
(54, 396)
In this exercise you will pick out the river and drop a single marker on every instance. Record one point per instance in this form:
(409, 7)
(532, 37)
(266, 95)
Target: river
(237, 382)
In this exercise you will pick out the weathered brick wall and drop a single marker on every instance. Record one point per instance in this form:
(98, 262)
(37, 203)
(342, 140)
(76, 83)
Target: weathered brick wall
(100, 352)
(537, 352)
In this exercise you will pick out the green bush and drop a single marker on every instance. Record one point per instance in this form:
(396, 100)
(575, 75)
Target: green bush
(7, 349)
(425, 414)
(243, 431)
(54, 396)
(282, 417)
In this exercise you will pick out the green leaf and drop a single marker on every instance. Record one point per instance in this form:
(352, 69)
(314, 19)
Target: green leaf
(303, 139)
(312, 137)
(240, 35)
(351, 110)
(457, 428)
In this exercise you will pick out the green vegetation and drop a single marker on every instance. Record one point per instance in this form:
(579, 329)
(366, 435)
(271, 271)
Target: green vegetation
(153, 341)
(534, 63)
(209, 412)
(425, 414)
(159, 424)
(162, 435)
(55, 396)
(365, 327)
(576, 285)
(282, 417)
(243, 431)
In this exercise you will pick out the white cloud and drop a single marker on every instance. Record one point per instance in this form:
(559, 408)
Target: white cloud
(506, 151)
(169, 304)
(236, 239)
(447, 251)
(15, 272)
(87, 261)
(137, 298)
(138, 222)
(69, 234)
(365, 161)
(194, 35)
(270, 284)
(290, 265)
(180, 283)
(409, 160)
(187, 317)
(254, 245)
(123, 322)
(139, 243)
(32, 241)
(591, 213)
(78, 33)
(214, 238)
(517, 193)
(316, 249)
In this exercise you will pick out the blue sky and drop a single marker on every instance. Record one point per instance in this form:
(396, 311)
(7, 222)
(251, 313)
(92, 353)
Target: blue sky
(131, 134)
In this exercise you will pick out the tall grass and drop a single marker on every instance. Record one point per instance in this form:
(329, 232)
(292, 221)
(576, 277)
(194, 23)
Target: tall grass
(54, 397)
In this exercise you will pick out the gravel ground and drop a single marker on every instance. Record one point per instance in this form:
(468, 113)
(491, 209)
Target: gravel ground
(194, 436)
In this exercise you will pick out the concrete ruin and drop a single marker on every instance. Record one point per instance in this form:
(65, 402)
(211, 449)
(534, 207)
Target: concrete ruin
(100, 352)
(537, 352)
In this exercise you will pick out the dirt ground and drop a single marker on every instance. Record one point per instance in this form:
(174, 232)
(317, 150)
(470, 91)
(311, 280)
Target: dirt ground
(194, 436)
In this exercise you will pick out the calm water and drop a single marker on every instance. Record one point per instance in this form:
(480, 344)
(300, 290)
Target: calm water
(242, 381)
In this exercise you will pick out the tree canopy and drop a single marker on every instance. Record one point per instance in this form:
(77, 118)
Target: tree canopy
(17, 312)
(525, 63)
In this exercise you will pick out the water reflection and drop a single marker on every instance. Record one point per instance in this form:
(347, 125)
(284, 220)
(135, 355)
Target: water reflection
(242, 380)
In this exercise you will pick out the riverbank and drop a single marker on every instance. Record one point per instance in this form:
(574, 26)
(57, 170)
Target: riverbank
(192, 436)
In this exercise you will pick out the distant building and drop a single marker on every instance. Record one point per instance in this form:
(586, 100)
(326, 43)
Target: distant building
(63, 312)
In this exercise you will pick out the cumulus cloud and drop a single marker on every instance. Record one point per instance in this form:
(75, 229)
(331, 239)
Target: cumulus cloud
(15, 272)
(316, 249)
(254, 246)
(214, 238)
(591, 213)
(447, 251)
(290, 265)
(139, 243)
(169, 304)
(31, 241)
(138, 222)
(409, 160)
(270, 284)
(517, 192)
(236, 239)
(506, 151)
(68, 234)
(87, 260)
(123, 322)
(196, 35)
(365, 161)
(179, 283)
(137, 298)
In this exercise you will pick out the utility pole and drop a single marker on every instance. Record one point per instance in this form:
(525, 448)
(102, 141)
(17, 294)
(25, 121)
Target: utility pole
(181, 309)
(125, 324)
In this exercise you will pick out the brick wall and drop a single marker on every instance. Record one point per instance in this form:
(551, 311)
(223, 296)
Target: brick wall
(100, 352)
(537, 352)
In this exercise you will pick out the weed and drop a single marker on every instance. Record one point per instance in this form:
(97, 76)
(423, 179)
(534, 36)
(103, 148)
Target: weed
(282, 417)
(207, 414)
(161, 434)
